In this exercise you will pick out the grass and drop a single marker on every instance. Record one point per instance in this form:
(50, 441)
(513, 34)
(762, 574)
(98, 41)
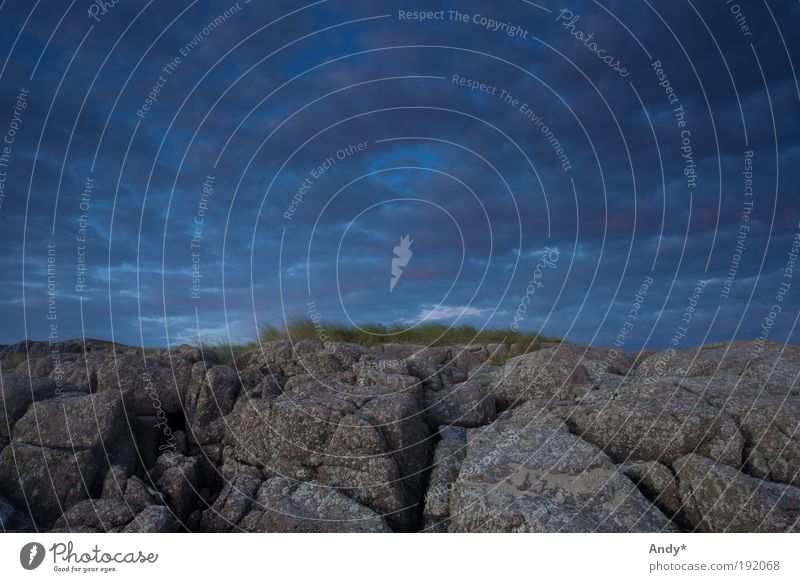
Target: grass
(11, 363)
(373, 334)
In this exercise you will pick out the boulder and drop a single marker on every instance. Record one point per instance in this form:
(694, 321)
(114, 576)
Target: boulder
(158, 381)
(467, 404)
(16, 395)
(101, 515)
(521, 476)
(447, 458)
(47, 481)
(286, 506)
(369, 440)
(210, 397)
(154, 519)
(232, 504)
(657, 482)
(658, 422)
(552, 372)
(717, 498)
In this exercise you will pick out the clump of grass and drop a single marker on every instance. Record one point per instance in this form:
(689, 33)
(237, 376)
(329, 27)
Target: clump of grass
(222, 351)
(13, 361)
(373, 334)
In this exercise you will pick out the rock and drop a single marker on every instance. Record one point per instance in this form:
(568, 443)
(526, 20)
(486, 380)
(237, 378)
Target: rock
(770, 424)
(16, 395)
(233, 503)
(369, 440)
(658, 422)
(75, 421)
(465, 360)
(7, 513)
(210, 397)
(447, 458)
(717, 498)
(520, 476)
(486, 375)
(286, 506)
(153, 519)
(658, 484)
(102, 515)
(467, 404)
(547, 373)
(179, 479)
(158, 384)
(131, 490)
(47, 481)
(498, 352)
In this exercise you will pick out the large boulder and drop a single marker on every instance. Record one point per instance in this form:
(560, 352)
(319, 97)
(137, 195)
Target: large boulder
(16, 395)
(158, 380)
(447, 458)
(717, 498)
(369, 440)
(287, 506)
(658, 422)
(521, 476)
(552, 372)
(467, 404)
(211, 395)
(232, 504)
(74, 421)
(47, 481)
(101, 515)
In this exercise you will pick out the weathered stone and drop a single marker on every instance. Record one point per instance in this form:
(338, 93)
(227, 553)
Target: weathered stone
(369, 440)
(658, 484)
(467, 404)
(16, 395)
(449, 454)
(179, 479)
(210, 396)
(658, 422)
(231, 506)
(47, 481)
(286, 506)
(157, 381)
(548, 373)
(522, 476)
(154, 519)
(96, 422)
(102, 515)
(717, 498)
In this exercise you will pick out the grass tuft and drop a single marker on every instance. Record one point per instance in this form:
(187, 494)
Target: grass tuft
(373, 334)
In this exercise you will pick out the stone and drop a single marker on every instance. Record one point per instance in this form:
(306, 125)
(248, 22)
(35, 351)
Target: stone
(717, 498)
(447, 459)
(546, 373)
(47, 481)
(286, 506)
(154, 519)
(520, 476)
(232, 504)
(467, 404)
(210, 397)
(658, 422)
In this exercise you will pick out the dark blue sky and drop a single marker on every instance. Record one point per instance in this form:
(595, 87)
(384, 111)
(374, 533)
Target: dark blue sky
(567, 140)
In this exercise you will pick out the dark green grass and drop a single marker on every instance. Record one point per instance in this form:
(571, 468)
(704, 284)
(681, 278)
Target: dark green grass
(374, 334)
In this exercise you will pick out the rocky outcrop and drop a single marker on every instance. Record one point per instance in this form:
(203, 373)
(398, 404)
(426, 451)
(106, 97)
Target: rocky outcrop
(717, 498)
(311, 437)
(523, 476)
(450, 453)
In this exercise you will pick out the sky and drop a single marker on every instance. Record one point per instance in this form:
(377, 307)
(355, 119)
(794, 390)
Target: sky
(611, 173)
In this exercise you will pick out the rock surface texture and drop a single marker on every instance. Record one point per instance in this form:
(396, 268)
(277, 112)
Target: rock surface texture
(312, 437)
